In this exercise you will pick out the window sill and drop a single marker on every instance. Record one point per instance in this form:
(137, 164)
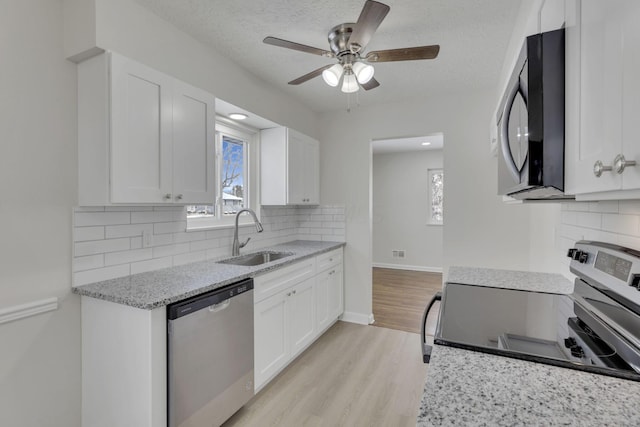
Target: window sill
(197, 224)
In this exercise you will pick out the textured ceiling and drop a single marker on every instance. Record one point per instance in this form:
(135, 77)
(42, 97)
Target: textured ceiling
(472, 34)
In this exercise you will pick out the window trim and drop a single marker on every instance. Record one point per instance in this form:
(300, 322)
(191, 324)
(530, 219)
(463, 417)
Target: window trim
(250, 137)
(430, 219)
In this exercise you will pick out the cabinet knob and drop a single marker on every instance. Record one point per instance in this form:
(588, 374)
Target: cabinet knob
(598, 168)
(167, 196)
(620, 163)
(179, 197)
(288, 294)
(294, 292)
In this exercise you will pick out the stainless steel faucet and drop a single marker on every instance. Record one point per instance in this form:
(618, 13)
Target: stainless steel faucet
(236, 243)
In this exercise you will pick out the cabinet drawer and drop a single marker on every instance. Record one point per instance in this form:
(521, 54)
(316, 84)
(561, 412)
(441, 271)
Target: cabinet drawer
(275, 281)
(329, 259)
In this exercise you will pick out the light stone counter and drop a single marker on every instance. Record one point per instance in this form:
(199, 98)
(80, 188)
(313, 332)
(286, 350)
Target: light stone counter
(161, 287)
(468, 388)
(511, 279)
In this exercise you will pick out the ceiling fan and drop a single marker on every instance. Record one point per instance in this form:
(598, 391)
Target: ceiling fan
(346, 43)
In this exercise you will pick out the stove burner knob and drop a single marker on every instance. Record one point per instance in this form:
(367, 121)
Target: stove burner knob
(577, 351)
(584, 256)
(576, 254)
(571, 252)
(570, 342)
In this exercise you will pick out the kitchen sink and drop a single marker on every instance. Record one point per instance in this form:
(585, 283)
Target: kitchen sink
(257, 258)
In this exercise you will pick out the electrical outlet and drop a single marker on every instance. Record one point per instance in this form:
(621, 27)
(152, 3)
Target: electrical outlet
(147, 239)
(397, 253)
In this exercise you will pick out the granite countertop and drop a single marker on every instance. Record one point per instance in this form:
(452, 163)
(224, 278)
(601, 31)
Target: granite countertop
(511, 279)
(466, 387)
(469, 388)
(161, 287)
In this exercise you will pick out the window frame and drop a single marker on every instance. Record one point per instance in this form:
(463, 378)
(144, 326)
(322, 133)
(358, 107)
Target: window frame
(430, 219)
(250, 138)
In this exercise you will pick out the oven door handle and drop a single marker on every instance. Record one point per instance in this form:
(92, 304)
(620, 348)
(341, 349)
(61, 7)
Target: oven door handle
(426, 349)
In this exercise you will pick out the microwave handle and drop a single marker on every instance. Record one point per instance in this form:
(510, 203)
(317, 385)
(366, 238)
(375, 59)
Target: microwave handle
(512, 91)
(426, 348)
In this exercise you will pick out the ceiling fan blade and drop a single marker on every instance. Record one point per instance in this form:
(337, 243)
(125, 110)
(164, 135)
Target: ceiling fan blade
(404, 54)
(297, 46)
(370, 19)
(371, 84)
(309, 76)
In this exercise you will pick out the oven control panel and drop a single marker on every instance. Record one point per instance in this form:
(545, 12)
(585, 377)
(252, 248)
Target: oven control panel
(608, 266)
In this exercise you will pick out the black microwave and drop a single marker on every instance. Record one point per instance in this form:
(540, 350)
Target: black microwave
(531, 120)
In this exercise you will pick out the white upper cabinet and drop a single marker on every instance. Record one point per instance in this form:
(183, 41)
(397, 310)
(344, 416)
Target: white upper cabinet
(289, 168)
(143, 136)
(603, 46)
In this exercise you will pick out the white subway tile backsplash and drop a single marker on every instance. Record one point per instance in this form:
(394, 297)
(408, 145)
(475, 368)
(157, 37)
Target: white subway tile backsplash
(621, 224)
(90, 276)
(108, 241)
(168, 250)
(100, 246)
(89, 262)
(150, 265)
(189, 257)
(153, 216)
(101, 218)
(630, 207)
(125, 257)
(604, 207)
(132, 230)
(82, 234)
(589, 220)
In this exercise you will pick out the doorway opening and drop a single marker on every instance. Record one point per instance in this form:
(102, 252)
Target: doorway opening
(407, 193)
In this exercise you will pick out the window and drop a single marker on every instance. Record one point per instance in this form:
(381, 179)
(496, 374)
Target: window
(436, 196)
(233, 154)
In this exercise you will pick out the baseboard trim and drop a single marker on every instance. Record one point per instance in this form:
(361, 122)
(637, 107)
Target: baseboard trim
(27, 310)
(408, 267)
(359, 318)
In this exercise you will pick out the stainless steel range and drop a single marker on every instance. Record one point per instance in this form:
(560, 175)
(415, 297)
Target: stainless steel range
(596, 328)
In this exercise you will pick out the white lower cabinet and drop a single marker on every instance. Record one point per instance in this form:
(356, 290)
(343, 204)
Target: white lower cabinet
(329, 294)
(287, 322)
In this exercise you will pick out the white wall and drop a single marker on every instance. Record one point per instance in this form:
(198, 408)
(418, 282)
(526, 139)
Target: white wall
(401, 211)
(479, 229)
(40, 355)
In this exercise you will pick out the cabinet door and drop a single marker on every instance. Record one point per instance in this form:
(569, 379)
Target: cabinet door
(140, 133)
(600, 123)
(301, 307)
(322, 299)
(271, 337)
(296, 171)
(312, 174)
(631, 94)
(335, 293)
(193, 145)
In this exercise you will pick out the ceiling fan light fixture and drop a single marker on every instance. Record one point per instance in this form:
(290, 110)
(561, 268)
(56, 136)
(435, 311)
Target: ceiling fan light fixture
(349, 83)
(364, 72)
(332, 75)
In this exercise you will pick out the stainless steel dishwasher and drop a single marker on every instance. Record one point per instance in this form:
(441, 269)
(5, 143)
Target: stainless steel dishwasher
(210, 356)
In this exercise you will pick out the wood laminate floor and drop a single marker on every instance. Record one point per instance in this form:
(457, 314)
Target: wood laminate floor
(400, 297)
(354, 375)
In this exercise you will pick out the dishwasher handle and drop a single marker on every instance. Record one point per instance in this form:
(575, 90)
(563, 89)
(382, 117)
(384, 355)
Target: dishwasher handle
(220, 306)
(426, 348)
